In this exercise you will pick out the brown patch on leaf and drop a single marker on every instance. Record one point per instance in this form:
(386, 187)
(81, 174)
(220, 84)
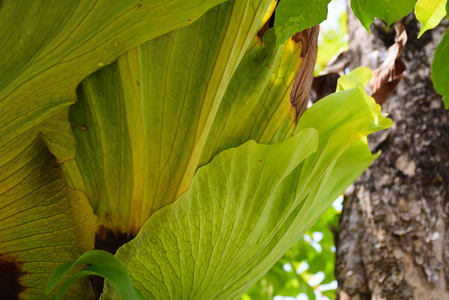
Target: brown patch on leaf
(264, 29)
(299, 96)
(387, 76)
(10, 274)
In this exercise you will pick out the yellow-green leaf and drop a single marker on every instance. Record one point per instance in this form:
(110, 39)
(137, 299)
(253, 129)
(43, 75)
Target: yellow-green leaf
(430, 13)
(250, 204)
(256, 105)
(48, 47)
(359, 77)
(43, 224)
(149, 114)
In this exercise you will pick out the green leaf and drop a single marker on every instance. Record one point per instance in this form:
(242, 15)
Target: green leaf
(249, 204)
(102, 264)
(256, 105)
(364, 17)
(292, 16)
(387, 10)
(329, 293)
(359, 77)
(317, 264)
(153, 110)
(212, 216)
(429, 13)
(48, 47)
(440, 69)
(307, 289)
(44, 223)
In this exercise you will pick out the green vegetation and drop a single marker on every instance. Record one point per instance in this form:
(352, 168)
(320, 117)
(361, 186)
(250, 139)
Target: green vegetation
(170, 121)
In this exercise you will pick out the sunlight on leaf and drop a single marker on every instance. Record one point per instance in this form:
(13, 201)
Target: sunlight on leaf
(153, 111)
(359, 77)
(429, 13)
(232, 218)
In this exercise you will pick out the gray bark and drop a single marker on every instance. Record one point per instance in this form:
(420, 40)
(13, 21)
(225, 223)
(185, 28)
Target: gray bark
(393, 241)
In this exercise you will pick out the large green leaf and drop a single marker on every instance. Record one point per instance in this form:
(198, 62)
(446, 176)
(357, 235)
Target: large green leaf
(440, 69)
(332, 118)
(348, 167)
(429, 13)
(387, 10)
(293, 16)
(43, 224)
(230, 201)
(152, 112)
(48, 46)
(285, 279)
(250, 204)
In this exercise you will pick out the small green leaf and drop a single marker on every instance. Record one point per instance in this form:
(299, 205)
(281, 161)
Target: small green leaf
(358, 77)
(293, 16)
(364, 17)
(429, 13)
(387, 10)
(102, 264)
(440, 69)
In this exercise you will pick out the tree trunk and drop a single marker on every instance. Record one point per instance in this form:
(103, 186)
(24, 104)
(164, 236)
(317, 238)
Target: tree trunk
(393, 241)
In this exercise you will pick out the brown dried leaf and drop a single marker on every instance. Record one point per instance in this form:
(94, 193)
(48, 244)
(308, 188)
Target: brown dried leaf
(326, 83)
(323, 85)
(299, 96)
(387, 76)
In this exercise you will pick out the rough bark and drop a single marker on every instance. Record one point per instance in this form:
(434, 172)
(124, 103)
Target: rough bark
(393, 241)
